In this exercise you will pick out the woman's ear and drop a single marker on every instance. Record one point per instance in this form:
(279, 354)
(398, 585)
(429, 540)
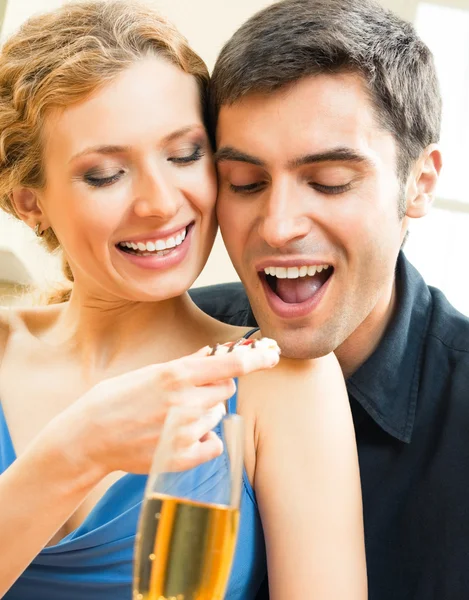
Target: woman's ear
(422, 182)
(28, 208)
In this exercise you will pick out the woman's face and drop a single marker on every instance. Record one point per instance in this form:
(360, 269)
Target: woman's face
(130, 185)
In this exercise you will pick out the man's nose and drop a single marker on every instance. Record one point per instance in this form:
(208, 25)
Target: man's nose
(157, 194)
(284, 219)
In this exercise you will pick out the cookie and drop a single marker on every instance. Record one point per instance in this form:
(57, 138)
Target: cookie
(244, 344)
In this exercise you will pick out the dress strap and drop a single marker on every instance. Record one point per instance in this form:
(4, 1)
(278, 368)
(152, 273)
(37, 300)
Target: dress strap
(251, 332)
(231, 405)
(7, 451)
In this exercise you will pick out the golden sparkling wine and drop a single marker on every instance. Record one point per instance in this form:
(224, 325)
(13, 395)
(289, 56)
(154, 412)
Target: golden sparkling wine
(184, 549)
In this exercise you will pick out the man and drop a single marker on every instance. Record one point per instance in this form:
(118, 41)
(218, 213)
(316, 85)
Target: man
(327, 115)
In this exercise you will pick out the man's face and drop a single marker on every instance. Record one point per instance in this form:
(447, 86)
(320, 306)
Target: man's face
(308, 208)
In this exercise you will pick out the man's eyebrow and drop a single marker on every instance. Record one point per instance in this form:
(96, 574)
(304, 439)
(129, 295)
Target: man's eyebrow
(341, 154)
(334, 155)
(116, 149)
(228, 153)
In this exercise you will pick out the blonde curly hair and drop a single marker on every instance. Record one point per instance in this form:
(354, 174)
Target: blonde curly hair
(61, 57)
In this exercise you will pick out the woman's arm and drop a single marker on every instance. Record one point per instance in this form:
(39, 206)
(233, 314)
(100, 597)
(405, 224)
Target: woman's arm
(38, 493)
(307, 483)
(114, 426)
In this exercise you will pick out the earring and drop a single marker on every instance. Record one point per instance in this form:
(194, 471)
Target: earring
(37, 230)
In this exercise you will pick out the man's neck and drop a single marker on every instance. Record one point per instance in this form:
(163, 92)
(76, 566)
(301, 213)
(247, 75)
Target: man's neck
(361, 344)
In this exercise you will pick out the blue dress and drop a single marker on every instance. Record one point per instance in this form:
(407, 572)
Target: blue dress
(94, 562)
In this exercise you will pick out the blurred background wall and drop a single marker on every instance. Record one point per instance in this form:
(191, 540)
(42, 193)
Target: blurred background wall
(438, 244)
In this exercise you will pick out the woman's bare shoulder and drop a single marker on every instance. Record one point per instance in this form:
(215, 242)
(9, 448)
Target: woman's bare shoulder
(31, 318)
(5, 328)
(268, 398)
(290, 384)
(4, 320)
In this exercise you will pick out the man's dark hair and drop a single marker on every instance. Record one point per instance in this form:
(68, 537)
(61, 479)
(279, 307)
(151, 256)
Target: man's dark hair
(293, 39)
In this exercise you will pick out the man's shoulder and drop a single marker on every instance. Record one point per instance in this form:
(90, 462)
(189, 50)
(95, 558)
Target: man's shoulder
(446, 357)
(226, 302)
(447, 325)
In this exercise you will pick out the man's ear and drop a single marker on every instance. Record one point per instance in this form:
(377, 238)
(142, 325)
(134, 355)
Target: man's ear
(422, 182)
(28, 208)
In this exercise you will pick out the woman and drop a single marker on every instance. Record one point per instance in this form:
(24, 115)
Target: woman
(104, 153)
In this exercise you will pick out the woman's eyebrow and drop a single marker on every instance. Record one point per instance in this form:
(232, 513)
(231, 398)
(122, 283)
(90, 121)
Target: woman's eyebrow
(116, 149)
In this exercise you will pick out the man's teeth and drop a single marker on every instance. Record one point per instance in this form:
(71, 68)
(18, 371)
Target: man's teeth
(157, 245)
(295, 272)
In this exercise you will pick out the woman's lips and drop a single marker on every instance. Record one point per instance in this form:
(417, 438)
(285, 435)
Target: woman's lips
(164, 259)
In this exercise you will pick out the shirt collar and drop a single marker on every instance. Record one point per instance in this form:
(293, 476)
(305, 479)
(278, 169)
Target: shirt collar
(387, 384)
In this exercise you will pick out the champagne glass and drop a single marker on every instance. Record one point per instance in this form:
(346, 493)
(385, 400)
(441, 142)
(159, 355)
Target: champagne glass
(189, 522)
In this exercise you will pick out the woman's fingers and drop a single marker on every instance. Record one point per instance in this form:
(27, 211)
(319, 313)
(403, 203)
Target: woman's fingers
(202, 451)
(200, 398)
(126, 413)
(203, 370)
(185, 425)
(195, 429)
(187, 439)
(212, 394)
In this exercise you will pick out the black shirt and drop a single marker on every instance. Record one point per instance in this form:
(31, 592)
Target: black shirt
(410, 402)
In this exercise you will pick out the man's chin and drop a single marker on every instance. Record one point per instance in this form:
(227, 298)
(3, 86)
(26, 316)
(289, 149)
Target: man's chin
(302, 353)
(300, 344)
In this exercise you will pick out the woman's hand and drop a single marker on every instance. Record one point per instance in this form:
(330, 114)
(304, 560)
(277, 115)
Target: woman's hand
(117, 424)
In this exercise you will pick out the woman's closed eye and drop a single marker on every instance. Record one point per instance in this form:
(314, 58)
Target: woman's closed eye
(187, 155)
(103, 177)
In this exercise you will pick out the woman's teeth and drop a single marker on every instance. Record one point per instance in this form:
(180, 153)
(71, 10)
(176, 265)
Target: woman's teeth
(295, 272)
(156, 247)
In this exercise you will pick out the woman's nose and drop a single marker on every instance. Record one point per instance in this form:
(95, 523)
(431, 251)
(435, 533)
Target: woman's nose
(157, 195)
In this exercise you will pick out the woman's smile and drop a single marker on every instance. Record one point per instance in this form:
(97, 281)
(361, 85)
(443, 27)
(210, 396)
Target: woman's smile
(157, 252)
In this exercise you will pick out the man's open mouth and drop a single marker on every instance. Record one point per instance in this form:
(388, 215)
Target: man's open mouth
(295, 285)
